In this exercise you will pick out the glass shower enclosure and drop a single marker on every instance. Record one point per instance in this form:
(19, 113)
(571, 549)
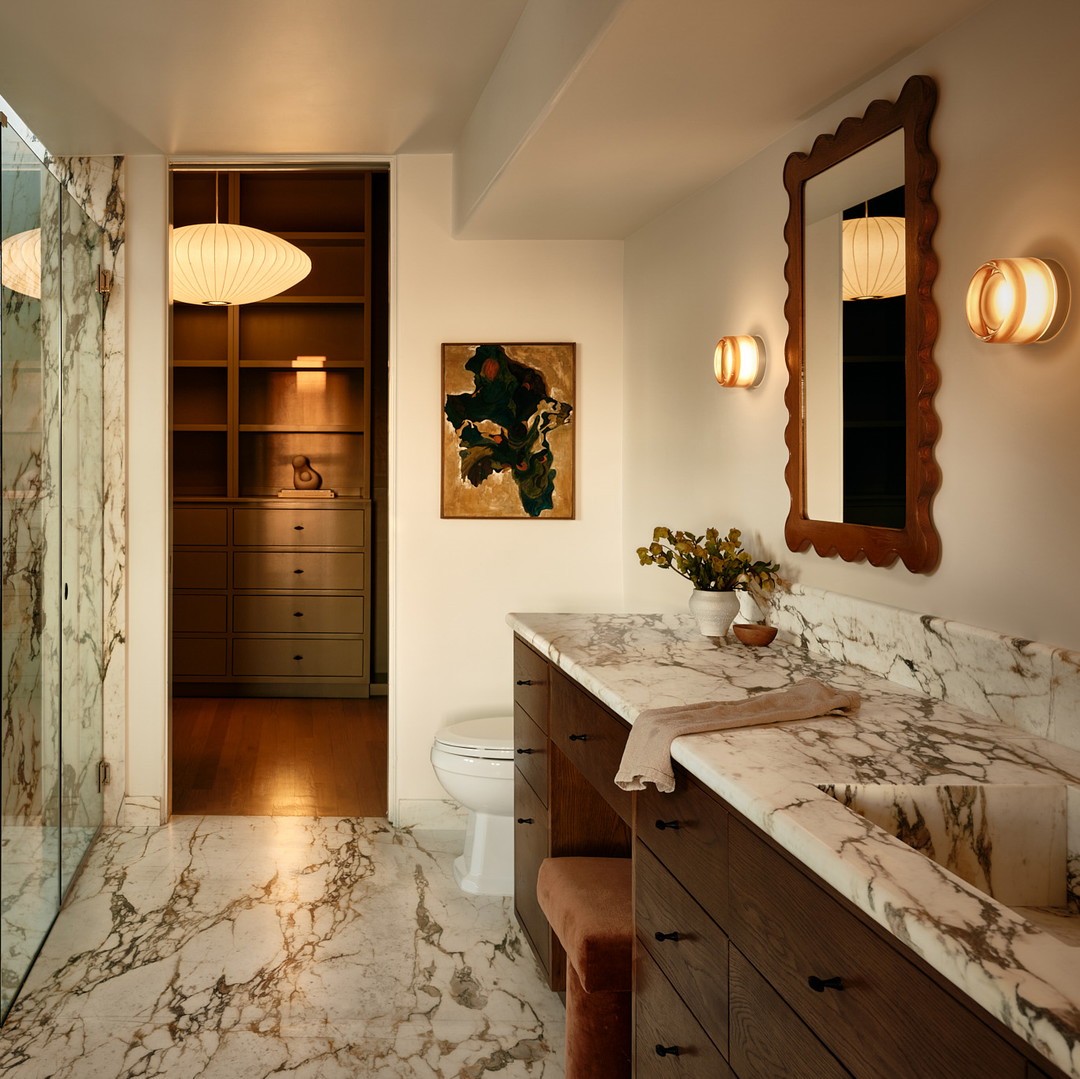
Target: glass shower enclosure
(51, 550)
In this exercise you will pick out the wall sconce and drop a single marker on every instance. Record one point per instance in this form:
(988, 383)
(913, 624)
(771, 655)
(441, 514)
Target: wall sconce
(739, 361)
(1018, 301)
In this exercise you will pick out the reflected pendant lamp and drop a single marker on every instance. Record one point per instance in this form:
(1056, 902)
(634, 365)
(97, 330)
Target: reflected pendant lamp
(20, 263)
(873, 258)
(218, 265)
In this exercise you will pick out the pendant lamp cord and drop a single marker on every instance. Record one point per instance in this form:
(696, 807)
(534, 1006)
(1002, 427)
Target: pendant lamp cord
(216, 190)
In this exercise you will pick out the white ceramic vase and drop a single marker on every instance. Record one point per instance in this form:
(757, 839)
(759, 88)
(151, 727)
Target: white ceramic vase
(714, 611)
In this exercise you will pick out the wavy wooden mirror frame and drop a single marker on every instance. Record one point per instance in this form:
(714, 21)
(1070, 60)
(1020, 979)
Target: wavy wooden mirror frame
(917, 543)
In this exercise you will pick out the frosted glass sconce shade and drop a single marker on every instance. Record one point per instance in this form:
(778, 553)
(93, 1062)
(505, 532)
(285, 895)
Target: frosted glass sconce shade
(873, 258)
(1018, 301)
(739, 361)
(20, 263)
(218, 265)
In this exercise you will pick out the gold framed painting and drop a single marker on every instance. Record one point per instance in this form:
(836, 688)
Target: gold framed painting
(508, 431)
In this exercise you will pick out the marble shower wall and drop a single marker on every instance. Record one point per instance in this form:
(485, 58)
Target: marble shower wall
(1025, 684)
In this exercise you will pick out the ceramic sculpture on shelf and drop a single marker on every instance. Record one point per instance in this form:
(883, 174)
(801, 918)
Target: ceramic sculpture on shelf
(305, 478)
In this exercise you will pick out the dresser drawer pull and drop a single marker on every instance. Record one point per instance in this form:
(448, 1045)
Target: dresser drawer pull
(298, 571)
(298, 657)
(666, 936)
(298, 528)
(526, 750)
(667, 1050)
(819, 985)
(662, 824)
(525, 820)
(524, 682)
(579, 738)
(298, 614)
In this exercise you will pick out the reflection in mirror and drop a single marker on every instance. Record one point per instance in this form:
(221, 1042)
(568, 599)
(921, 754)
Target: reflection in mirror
(861, 328)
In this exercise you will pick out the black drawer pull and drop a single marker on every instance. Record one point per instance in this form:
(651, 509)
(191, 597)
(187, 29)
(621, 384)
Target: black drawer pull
(524, 682)
(298, 614)
(526, 750)
(579, 738)
(298, 571)
(298, 657)
(666, 936)
(819, 985)
(525, 820)
(667, 1050)
(662, 824)
(298, 528)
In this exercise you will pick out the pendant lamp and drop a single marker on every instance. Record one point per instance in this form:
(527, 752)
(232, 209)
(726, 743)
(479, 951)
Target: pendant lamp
(873, 258)
(218, 265)
(20, 263)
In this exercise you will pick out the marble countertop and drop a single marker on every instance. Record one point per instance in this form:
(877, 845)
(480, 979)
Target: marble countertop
(1023, 967)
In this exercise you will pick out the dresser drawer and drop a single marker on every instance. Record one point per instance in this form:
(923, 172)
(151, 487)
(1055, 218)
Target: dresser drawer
(591, 738)
(299, 570)
(531, 683)
(298, 658)
(199, 614)
(663, 1022)
(198, 657)
(530, 849)
(298, 614)
(693, 962)
(687, 831)
(294, 527)
(200, 569)
(531, 756)
(890, 1018)
(200, 526)
(767, 1038)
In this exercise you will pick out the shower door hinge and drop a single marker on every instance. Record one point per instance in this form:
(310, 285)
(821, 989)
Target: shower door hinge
(104, 775)
(104, 281)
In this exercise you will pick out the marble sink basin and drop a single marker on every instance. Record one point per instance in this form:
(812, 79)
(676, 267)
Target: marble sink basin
(1019, 844)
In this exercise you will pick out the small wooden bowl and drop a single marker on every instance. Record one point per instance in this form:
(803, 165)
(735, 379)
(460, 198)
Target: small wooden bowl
(754, 633)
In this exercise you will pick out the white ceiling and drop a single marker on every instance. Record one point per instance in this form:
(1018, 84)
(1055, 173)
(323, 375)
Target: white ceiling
(600, 114)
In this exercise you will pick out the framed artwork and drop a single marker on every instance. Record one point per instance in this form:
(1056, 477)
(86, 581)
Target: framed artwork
(508, 435)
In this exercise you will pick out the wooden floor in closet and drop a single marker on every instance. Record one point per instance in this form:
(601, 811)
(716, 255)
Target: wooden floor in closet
(294, 757)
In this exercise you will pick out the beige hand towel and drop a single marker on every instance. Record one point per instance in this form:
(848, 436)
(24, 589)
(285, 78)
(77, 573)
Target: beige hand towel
(647, 756)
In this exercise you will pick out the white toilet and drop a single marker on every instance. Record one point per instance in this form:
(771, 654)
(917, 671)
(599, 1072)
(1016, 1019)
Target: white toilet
(474, 761)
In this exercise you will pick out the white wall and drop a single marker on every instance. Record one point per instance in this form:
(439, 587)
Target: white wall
(1008, 510)
(454, 581)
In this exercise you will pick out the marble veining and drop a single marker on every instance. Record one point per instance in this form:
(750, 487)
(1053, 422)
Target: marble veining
(1022, 965)
(256, 946)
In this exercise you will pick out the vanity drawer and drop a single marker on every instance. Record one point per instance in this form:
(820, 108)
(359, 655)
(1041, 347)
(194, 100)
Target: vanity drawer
(300, 569)
(298, 614)
(530, 849)
(890, 1018)
(767, 1038)
(298, 658)
(591, 738)
(294, 527)
(692, 963)
(662, 1020)
(199, 569)
(687, 831)
(531, 681)
(531, 754)
(199, 614)
(200, 526)
(200, 657)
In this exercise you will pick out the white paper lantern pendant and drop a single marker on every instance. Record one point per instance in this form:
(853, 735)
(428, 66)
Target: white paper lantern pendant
(874, 262)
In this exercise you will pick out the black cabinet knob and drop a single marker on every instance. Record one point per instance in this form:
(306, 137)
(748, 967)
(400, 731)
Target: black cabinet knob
(667, 1050)
(525, 820)
(579, 738)
(298, 614)
(526, 750)
(298, 571)
(524, 682)
(298, 657)
(819, 985)
(666, 936)
(298, 528)
(662, 824)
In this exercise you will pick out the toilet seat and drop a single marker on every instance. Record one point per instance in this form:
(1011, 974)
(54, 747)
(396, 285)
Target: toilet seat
(491, 738)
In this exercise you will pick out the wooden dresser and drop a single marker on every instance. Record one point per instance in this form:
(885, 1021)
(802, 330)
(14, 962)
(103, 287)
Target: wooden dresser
(747, 965)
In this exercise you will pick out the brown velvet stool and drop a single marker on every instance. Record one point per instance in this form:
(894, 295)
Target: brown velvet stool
(588, 904)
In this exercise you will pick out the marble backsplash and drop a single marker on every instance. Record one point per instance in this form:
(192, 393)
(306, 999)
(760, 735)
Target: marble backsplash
(1031, 686)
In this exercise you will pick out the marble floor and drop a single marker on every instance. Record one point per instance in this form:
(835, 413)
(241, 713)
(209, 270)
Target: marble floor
(245, 947)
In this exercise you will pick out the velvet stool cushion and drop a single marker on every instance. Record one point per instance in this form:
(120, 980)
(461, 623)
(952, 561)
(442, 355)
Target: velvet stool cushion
(587, 902)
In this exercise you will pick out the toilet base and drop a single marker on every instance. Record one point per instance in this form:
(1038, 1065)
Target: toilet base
(486, 867)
